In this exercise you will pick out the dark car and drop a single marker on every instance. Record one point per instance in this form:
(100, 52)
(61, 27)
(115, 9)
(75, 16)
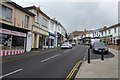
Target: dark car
(99, 46)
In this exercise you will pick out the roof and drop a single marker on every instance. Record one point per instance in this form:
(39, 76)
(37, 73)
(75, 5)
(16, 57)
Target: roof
(21, 8)
(38, 9)
(76, 33)
(113, 26)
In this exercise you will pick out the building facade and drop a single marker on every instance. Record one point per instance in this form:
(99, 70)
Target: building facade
(23, 29)
(15, 30)
(51, 40)
(40, 28)
(110, 35)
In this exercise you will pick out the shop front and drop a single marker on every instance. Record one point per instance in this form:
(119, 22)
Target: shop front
(107, 39)
(59, 39)
(12, 41)
(51, 40)
(43, 41)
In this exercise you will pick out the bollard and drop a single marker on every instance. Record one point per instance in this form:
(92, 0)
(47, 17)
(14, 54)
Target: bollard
(102, 55)
(89, 55)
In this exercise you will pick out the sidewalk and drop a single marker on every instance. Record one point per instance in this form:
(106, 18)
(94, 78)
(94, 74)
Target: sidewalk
(100, 69)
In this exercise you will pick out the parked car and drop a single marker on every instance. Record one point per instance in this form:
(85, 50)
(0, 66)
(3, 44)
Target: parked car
(97, 47)
(93, 41)
(73, 43)
(66, 45)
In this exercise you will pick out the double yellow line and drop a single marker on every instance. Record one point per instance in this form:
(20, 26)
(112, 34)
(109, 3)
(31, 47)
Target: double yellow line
(73, 70)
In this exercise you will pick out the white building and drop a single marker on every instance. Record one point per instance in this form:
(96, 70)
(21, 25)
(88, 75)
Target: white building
(110, 34)
(61, 33)
(51, 41)
(96, 33)
(56, 33)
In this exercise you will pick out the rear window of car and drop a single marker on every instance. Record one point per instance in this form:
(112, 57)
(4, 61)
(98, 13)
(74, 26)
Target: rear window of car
(99, 44)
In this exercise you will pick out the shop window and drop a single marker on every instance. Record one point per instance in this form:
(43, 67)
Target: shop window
(18, 42)
(52, 42)
(47, 41)
(5, 42)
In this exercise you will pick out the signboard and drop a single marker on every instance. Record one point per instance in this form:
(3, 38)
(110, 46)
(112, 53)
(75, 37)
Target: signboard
(10, 32)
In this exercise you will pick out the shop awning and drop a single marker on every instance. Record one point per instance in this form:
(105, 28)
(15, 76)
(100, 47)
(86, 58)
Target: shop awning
(51, 34)
(108, 36)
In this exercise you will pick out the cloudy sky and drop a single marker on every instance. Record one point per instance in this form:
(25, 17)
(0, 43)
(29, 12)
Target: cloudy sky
(78, 14)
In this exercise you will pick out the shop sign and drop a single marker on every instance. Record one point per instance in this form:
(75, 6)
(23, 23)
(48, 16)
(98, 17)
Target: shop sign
(5, 31)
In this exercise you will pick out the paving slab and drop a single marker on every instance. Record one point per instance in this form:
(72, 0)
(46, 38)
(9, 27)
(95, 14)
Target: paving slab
(100, 69)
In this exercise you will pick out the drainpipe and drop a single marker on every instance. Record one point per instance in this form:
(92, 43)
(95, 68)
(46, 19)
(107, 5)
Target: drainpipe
(26, 43)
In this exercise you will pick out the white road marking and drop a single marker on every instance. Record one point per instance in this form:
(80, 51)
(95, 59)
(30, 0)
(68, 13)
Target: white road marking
(11, 73)
(67, 51)
(50, 58)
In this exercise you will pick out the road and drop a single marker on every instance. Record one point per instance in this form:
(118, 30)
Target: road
(52, 63)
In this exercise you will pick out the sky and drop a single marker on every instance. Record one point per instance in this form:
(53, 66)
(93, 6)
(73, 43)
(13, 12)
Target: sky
(78, 14)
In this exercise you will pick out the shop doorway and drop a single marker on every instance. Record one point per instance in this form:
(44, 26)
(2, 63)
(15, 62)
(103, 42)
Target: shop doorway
(40, 41)
(35, 41)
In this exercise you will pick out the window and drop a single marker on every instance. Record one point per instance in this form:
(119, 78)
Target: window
(102, 33)
(26, 21)
(0, 11)
(115, 30)
(18, 42)
(8, 42)
(105, 32)
(109, 31)
(58, 28)
(5, 41)
(51, 26)
(6, 13)
(37, 17)
(44, 22)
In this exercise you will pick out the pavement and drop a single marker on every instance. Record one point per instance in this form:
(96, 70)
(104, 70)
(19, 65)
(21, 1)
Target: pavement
(100, 69)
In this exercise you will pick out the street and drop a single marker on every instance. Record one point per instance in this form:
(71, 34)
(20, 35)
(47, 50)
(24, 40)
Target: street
(49, 63)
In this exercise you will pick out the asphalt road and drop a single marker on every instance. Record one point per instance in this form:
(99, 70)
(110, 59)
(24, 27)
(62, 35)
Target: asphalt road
(53, 63)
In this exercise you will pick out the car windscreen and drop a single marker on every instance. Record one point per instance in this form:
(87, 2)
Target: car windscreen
(66, 42)
(99, 44)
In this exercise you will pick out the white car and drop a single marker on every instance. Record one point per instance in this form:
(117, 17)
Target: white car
(66, 45)
(73, 43)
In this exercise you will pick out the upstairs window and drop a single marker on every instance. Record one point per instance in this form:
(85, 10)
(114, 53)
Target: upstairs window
(37, 17)
(5, 13)
(109, 31)
(44, 22)
(52, 26)
(115, 30)
(26, 21)
(102, 33)
(105, 32)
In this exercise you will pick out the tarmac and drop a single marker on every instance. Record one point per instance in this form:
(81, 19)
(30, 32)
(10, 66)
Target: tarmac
(108, 68)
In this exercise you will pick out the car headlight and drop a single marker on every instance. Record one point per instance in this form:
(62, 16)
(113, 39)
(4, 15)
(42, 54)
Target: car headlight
(96, 49)
(106, 49)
